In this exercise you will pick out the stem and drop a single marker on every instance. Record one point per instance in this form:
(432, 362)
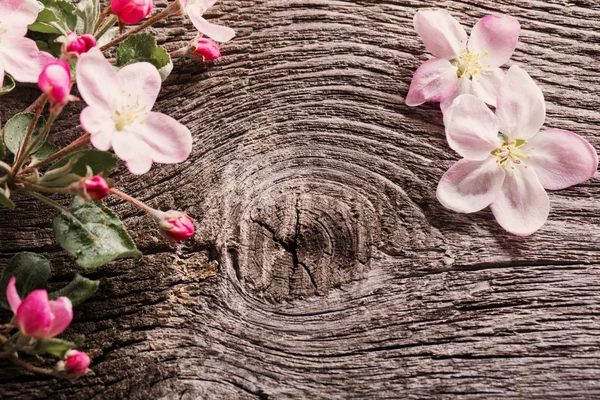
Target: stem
(42, 136)
(39, 188)
(32, 368)
(103, 14)
(23, 149)
(109, 24)
(48, 201)
(171, 9)
(133, 201)
(5, 166)
(81, 141)
(33, 105)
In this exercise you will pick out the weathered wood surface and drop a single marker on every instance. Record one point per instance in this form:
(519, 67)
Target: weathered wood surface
(324, 267)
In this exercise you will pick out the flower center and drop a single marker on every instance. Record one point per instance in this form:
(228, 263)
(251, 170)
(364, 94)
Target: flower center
(469, 64)
(197, 4)
(129, 114)
(511, 153)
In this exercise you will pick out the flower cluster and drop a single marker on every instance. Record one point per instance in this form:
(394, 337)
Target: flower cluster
(508, 161)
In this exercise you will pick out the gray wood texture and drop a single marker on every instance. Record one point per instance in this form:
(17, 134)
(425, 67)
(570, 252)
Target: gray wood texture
(324, 267)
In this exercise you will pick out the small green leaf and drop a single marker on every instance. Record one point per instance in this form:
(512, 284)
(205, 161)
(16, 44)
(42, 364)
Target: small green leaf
(87, 13)
(57, 16)
(31, 272)
(45, 151)
(16, 128)
(142, 47)
(56, 347)
(78, 291)
(74, 167)
(7, 85)
(5, 200)
(93, 234)
(2, 149)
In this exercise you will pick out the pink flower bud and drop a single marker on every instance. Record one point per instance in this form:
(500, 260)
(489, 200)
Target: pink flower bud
(76, 363)
(175, 225)
(81, 44)
(96, 187)
(207, 49)
(55, 81)
(36, 315)
(131, 11)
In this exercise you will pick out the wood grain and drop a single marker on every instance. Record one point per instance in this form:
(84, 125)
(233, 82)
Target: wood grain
(324, 267)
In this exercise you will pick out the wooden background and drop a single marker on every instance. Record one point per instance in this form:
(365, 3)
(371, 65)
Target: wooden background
(324, 267)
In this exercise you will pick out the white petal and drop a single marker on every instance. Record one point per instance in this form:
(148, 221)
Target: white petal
(520, 108)
(100, 125)
(443, 35)
(464, 87)
(486, 86)
(561, 158)
(471, 128)
(132, 149)
(140, 82)
(170, 141)
(522, 205)
(215, 32)
(498, 35)
(434, 80)
(17, 14)
(97, 81)
(22, 59)
(470, 186)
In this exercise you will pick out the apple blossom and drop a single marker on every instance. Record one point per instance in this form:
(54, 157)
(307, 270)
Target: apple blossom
(131, 11)
(175, 225)
(461, 66)
(195, 9)
(205, 49)
(509, 171)
(55, 81)
(75, 364)
(19, 56)
(119, 113)
(36, 315)
(79, 45)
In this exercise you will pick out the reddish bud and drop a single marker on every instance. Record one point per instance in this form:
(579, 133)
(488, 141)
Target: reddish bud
(131, 11)
(175, 225)
(76, 363)
(55, 81)
(81, 44)
(206, 48)
(96, 187)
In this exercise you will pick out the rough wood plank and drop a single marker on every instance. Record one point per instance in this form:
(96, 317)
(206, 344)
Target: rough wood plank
(324, 267)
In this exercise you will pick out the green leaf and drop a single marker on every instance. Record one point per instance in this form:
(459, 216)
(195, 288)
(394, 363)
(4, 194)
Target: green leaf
(45, 151)
(31, 272)
(142, 47)
(2, 149)
(74, 167)
(5, 200)
(16, 128)
(7, 85)
(56, 347)
(57, 16)
(79, 290)
(87, 13)
(93, 234)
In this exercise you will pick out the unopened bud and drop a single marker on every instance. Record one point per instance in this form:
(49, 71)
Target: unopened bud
(96, 187)
(175, 225)
(131, 11)
(81, 44)
(55, 81)
(76, 363)
(207, 49)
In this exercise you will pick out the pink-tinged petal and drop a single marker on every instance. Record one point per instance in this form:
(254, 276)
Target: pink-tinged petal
(215, 32)
(131, 148)
(561, 158)
(34, 314)
(14, 300)
(498, 35)
(17, 14)
(469, 186)
(62, 309)
(100, 125)
(522, 205)
(97, 81)
(520, 105)
(486, 85)
(465, 86)
(471, 128)
(142, 82)
(169, 140)
(434, 80)
(443, 35)
(22, 59)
